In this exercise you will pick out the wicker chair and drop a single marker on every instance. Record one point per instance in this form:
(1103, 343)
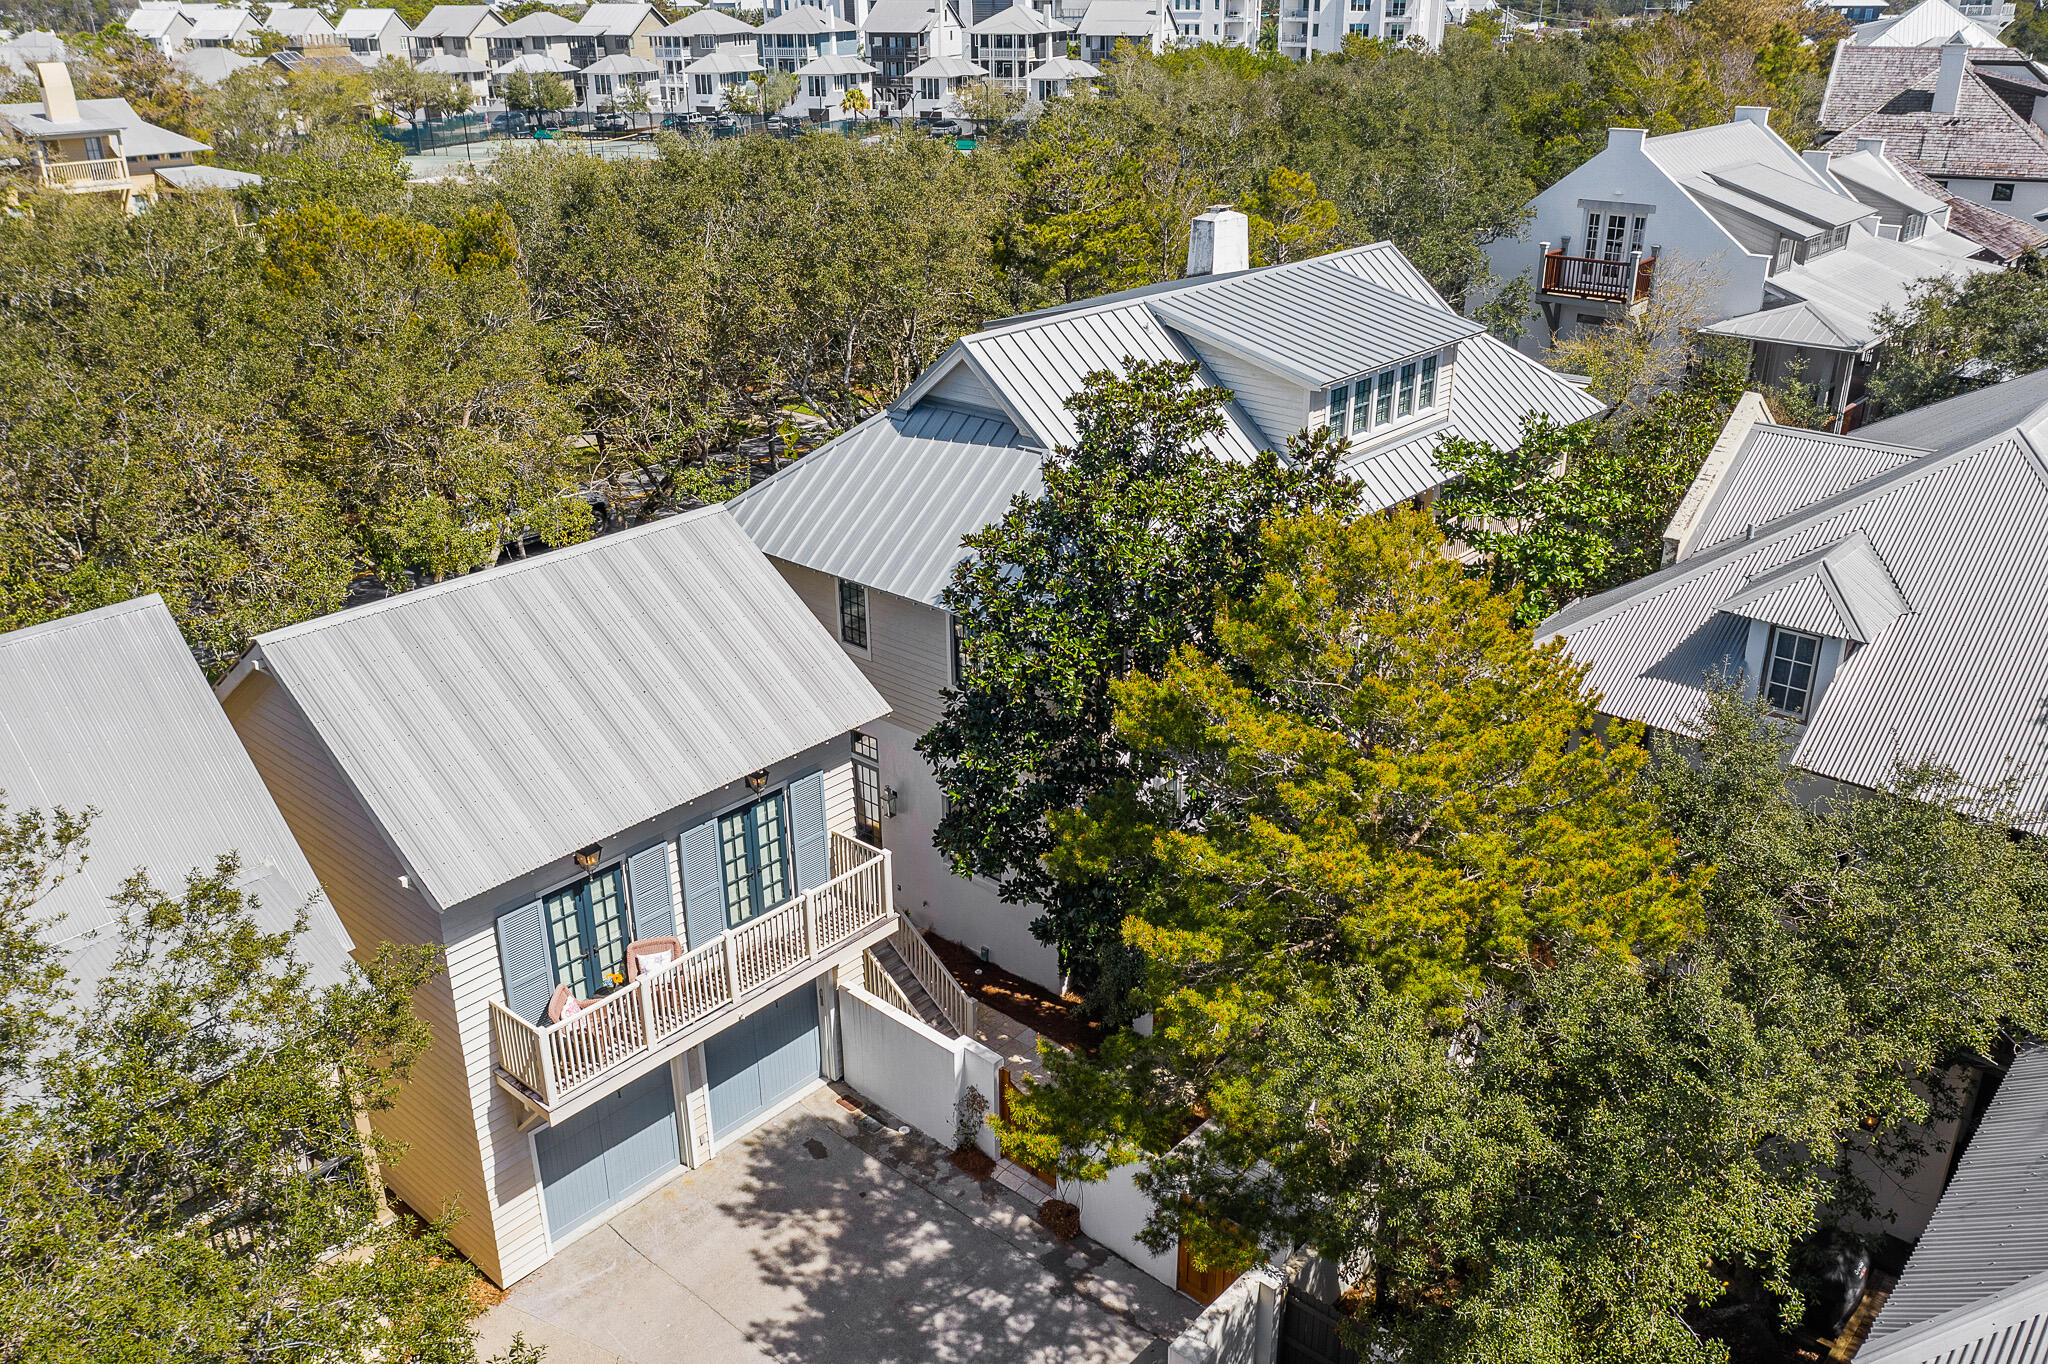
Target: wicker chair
(559, 1000)
(634, 951)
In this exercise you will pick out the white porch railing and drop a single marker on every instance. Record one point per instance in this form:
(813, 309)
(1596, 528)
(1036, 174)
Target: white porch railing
(953, 1001)
(100, 172)
(882, 985)
(554, 1062)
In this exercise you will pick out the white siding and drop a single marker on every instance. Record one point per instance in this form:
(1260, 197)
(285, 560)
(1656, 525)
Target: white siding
(962, 387)
(441, 1163)
(910, 645)
(1278, 405)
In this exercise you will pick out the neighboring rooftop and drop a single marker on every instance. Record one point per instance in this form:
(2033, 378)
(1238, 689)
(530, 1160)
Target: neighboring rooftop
(1889, 92)
(452, 21)
(107, 710)
(905, 16)
(499, 721)
(1928, 24)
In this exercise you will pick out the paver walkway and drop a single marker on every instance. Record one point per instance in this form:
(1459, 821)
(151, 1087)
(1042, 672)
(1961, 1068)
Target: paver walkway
(830, 1235)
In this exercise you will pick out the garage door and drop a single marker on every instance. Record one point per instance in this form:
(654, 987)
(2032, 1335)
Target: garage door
(608, 1152)
(756, 1064)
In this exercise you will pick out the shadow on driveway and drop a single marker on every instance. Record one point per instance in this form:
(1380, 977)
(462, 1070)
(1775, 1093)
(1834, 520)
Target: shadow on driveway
(826, 1236)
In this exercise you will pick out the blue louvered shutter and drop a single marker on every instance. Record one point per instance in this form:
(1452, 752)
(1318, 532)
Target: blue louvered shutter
(523, 955)
(703, 883)
(654, 903)
(807, 831)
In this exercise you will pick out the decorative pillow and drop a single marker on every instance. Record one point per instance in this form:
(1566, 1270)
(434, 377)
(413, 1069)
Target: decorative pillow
(571, 1007)
(653, 961)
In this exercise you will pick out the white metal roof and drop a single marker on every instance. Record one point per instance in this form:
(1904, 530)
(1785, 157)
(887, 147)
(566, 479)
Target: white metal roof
(453, 21)
(708, 23)
(1957, 680)
(1976, 1285)
(367, 23)
(1115, 18)
(1019, 19)
(544, 24)
(443, 65)
(534, 63)
(619, 65)
(906, 16)
(1065, 69)
(106, 709)
(500, 721)
(1928, 24)
(727, 57)
(943, 68)
(804, 20)
(835, 64)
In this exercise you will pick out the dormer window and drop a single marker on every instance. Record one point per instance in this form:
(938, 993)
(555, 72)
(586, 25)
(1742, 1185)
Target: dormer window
(1788, 671)
(1394, 395)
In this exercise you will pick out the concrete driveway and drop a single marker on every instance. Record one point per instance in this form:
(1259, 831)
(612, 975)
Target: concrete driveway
(827, 1236)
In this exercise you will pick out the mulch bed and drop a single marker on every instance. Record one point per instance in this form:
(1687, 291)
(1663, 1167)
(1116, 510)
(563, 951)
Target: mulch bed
(973, 1162)
(1057, 1017)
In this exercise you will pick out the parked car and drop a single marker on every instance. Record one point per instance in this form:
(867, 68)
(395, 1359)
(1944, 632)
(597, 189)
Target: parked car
(949, 127)
(613, 123)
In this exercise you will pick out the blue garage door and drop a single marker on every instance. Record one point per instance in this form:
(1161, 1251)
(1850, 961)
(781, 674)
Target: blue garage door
(758, 1063)
(608, 1151)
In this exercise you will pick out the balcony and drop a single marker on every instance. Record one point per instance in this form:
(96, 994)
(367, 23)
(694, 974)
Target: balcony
(1591, 277)
(560, 1068)
(104, 172)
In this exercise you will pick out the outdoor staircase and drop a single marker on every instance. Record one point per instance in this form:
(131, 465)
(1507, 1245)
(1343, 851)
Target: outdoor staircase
(912, 989)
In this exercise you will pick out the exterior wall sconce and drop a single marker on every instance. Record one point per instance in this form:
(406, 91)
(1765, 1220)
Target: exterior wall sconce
(757, 780)
(889, 802)
(586, 858)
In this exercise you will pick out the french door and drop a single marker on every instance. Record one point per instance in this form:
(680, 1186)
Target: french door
(587, 932)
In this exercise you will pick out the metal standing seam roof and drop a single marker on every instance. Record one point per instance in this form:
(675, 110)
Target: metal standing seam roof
(1843, 591)
(106, 709)
(1821, 205)
(944, 68)
(1966, 419)
(835, 64)
(1973, 1288)
(1105, 18)
(1928, 24)
(708, 23)
(443, 65)
(1866, 276)
(497, 722)
(887, 503)
(723, 59)
(452, 21)
(1870, 172)
(1806, 324)
(1019, 19)
(367, 23)
(544, 24)
(1065, 69)
(1958, 680)
(905, 16)
(803, 21)
(621, 65)
(1787, 469)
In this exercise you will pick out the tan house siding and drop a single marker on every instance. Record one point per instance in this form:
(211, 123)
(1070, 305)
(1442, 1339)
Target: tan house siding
(1279, 406)
(909, 657)
(441, 1163)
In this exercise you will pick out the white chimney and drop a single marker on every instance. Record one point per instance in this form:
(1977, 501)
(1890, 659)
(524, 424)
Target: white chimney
(59, 104)
(1873, 145)
(1948, 86)
(1624, 139)
(1816, 158)
(1219, 242)
(1759, 114)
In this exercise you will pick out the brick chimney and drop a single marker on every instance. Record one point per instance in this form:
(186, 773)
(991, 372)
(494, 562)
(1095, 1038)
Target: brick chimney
(1219, 242)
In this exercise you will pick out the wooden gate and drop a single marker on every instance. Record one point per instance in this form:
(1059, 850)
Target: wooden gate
(1004, 1087)
(1203, 1285)
(1311, 1334)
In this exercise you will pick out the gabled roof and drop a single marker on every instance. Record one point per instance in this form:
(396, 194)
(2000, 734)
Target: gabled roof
(945, 68)
(206, 177)
(620, 65)
(221, 23)
(1799, 195)
(1867, 173)
(723, 60)
(1852, 285)
(441, 64)
(98, 116)
(1118, 18)
(907, 16)
(107, 709)
(453, 21)
(708, 23)
(1958, 680)
(2005, 237)
(1065, 69)
(1809, 325)
(1888, 92)
(1840, 591)
(497, 722)
(544, 24)
(212, 65)
(1019, 19)
(534, 63)
(804, 21)
(888, 502)
(1976, 1285)
(295, 21)
(835, 64)
(1928, 24)
(621, 18)
(367, 23)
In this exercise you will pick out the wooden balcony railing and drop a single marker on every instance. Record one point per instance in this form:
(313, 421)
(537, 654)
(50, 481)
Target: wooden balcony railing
(552, 1065)
(105, 172)
(953, 1001)
(1613, 281)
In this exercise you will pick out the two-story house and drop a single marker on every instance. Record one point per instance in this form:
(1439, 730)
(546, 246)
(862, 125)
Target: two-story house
(690, 39)
(222, 26)
(1226, 23)
(714, 79)
(456, 31)
(1309, 27)
(1784, 255)
(1927, 24)
(301, 27)
(803, 33)
(1908, 203)
(95, 146)
(903, 35)
(146, 747)
(559, 44)
(935, 87)
(868, 527)
(832, 88)
(628, 789)
(1974, 120)
(1880, 592)
(165, 25)
(1010, 45)
(374, 34)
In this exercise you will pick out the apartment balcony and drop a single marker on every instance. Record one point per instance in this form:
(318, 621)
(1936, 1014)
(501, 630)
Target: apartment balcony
(1595, 279)
(561, 1068)
(105, 172)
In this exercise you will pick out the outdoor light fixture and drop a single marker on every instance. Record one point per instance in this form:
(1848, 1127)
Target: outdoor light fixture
(586, 858)
(889, 801)
(757, 780)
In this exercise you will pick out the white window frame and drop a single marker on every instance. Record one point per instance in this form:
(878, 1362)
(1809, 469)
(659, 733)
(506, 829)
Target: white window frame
(1805, 689)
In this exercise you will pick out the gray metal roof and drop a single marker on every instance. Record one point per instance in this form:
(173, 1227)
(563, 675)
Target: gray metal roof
(1976, 1286)
(1820, 205)
(500, 721)
(106, 709)
(452, 21)
(1958, 680)
(1841, 591)
(1318, 324)
(1868, 275)
(1965, 419)
(1813, 326)
(1108, 18)
(1787, 469)
(888, 502)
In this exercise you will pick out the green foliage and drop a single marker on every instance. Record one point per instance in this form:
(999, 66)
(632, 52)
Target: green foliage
(2029, 29)
(402, 85)
(1958, 335)
(1118, 565)
(255, 113)
(542, 92)
(184, 1161)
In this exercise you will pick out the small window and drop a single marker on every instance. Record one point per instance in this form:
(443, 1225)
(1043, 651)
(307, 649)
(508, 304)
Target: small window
(853, 614)
(1427, 393)
(1408, 388)
(867, 791)
(2001, 193)
(1915, 224)
(1361, 406)
(1788, 671)
(958, 630)
(1339, 397)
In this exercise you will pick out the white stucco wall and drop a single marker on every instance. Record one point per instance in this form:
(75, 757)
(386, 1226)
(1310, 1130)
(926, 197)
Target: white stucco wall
(1241, 1327)
(1112, 1210)
(909, 1069)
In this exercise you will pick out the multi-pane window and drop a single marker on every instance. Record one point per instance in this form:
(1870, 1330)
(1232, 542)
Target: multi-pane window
(1383, 405)
(1361, 404)
(587, 932)
(1615, 244)
(1427, 395)
(1915, 224)
(1407, 389)
(958, 630)
(1397, 32)
(867, 790)
(2001, 193)
(754, 848)
(1340, 397)
(1788, 671)
(927, 88)
(1374, 400)
(853, 614)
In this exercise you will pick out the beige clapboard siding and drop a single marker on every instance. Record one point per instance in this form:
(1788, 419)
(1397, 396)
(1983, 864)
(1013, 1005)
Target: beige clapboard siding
(1280, 406)
(440, 1164)
(909, 658)
(962, 387)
